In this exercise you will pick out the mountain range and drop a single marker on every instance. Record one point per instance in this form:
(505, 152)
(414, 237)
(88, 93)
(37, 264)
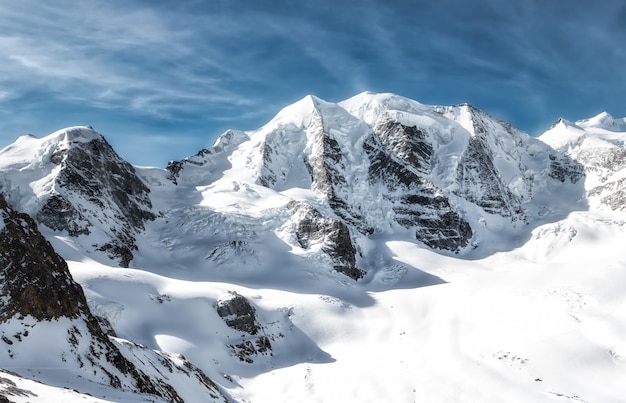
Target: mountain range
(372, 249)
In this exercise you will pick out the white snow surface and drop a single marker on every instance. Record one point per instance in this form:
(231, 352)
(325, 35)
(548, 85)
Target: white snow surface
(541, 318)
(542, 322)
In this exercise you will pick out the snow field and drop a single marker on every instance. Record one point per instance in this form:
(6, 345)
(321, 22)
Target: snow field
(516, 326)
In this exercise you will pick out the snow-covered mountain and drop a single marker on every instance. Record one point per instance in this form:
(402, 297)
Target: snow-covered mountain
(598, 144)
(379, 162)
(73, 181)
(292, 262)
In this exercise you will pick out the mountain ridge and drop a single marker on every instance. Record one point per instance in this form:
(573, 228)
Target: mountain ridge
(264, 252)
(281, 146)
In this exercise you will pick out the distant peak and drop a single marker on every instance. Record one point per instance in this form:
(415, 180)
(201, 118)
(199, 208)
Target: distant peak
(469, 108)
(602, 118)
(559, 121)
(310, 98)
(300, 112)
(72, 134)
(605, 121)
(603, 115)
(381, 97)
(26, 138)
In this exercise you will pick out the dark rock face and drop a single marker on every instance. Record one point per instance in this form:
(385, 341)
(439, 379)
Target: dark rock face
(59, 214)
(240, 315)
(268, 177)
(327, 168)
(173, 168)
(314, 228)
(408, 144)
(478, 178)
(563, 168)
(35, 279)
(480, 182)
(399, 156)
(97, 172)
(107, 193)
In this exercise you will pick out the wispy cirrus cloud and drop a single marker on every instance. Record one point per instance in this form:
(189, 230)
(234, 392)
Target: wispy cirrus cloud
(199, 67)
(111, 55)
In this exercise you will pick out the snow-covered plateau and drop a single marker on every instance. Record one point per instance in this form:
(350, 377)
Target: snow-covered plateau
(375, 249)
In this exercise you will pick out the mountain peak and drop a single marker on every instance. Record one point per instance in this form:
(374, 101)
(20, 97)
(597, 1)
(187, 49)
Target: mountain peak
(313, 99)
(603, 116)
(76, 133)
(72, 133)
(67, 138)
(300, 112)
(563, 135)
(563, 122)
(29, 148)
(604, 121)
(368, 106)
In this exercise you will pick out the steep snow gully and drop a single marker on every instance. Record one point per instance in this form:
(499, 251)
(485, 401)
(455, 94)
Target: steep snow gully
(375, 249)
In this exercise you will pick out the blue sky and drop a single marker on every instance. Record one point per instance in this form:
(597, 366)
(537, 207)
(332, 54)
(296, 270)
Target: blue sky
(162, 79)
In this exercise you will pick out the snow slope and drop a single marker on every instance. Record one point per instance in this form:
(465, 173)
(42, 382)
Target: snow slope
(543, 322)
(293, 262)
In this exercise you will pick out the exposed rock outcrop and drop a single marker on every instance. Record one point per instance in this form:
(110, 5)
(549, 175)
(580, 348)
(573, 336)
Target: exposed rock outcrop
(35, 280)
(331, 235)
(241, 316)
